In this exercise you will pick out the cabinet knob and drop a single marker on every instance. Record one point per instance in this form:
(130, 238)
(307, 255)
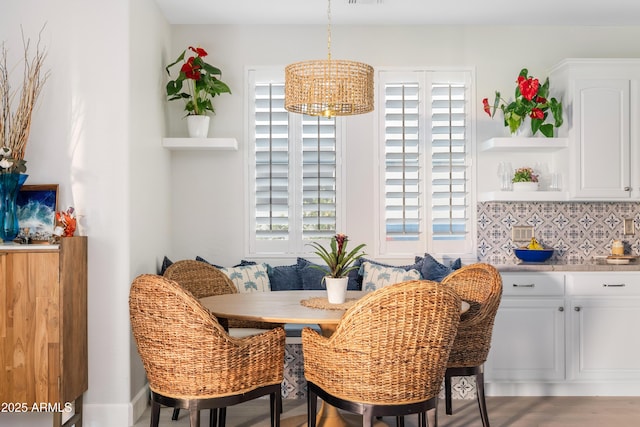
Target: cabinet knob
(627, 188)
(560, 308)
(578, 308)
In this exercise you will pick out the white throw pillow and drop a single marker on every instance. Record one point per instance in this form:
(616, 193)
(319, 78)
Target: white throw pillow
(377, 276)
(249, 278)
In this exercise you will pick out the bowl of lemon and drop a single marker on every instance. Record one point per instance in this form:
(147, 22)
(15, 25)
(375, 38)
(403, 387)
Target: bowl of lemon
(533, 252)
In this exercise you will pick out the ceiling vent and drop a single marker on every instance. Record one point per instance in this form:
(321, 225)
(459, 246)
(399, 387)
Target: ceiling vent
(364, 1)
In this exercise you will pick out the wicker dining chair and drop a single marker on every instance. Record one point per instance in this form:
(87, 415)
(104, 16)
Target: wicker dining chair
(480, 285)
(191, 361)
(388, 354)
(204, 280)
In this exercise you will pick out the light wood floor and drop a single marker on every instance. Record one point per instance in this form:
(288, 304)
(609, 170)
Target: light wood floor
(503, 411)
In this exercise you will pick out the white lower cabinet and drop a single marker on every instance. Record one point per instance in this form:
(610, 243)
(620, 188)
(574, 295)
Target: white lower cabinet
(566, 333)
(603, 320)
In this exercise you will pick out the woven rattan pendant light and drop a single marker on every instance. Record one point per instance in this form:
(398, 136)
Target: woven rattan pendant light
(328, 87)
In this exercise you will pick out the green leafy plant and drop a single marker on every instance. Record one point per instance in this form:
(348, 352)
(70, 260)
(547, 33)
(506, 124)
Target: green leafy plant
(9, 163)
(531, 99)
(524, 175)
(338, 260)
(197, 83)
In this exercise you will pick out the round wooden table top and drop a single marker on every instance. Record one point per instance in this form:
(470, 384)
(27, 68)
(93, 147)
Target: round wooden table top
(275, 306)
(279, 307)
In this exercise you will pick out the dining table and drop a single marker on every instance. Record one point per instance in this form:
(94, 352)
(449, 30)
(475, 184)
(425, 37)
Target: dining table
(293, 307)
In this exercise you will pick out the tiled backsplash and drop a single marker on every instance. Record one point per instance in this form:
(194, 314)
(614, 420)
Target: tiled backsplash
(577, 231)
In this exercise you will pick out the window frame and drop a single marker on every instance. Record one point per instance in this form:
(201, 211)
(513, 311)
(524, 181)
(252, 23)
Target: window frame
(403, 249)
(294, 245)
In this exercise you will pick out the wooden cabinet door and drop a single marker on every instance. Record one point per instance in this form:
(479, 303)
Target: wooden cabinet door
(30, 327)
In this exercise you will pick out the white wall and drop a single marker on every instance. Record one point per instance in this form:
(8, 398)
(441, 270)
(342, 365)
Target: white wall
(208, 187)
(97, 134)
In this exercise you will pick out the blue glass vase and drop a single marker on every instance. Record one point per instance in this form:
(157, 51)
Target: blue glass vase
(10, 184)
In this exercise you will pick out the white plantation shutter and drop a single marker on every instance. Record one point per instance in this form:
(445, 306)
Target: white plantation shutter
(402, 185)
(318, 177)
(271, 163)
(425, 186)
(293, 167)
(448, 161)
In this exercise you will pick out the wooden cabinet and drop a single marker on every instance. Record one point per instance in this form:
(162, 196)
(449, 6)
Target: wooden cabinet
(598, 96)
(43, 326)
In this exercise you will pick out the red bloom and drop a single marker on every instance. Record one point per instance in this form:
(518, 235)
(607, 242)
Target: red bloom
(487, 109)
(528, 87)
(537, 113)
(191, 70)
(199, 51)
(541, 100)
(340, 239)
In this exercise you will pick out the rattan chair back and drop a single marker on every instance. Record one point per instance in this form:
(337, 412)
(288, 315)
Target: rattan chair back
(200, 278)
(480, 285)
(185, 351)
(390, 348)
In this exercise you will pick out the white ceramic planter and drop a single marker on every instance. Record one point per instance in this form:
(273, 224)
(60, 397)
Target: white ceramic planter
(198, 126)
(525, 186)
(336, 289)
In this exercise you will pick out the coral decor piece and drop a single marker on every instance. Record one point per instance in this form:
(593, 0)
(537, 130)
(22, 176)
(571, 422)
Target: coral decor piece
(531, 99)
(197, 83)
(67, 221)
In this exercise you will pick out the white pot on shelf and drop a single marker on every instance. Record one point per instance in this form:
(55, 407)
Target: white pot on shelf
(525, 186)
(198, 126)
(336, 289)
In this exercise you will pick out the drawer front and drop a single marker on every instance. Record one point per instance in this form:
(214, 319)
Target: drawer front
(606, 284)
(538, 284)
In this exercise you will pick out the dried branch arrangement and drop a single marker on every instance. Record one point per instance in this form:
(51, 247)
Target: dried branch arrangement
(15, 125)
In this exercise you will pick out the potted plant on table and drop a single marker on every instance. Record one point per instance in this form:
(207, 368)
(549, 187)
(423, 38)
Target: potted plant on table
(339, 263)
(525, 179)
(197, 84)
(531, 100)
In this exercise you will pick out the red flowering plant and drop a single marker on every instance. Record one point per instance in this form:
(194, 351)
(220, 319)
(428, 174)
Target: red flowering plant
(531, 99)
(197, 83)
(338, 260)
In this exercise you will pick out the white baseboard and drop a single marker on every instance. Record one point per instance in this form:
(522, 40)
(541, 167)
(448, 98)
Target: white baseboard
(139, 404)
(105, 415)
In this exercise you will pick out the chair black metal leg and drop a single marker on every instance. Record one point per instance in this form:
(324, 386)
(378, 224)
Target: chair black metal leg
(447, 394)
(482, 404)
(155, 414)
(400, 421)
(222, 419)
(213, 417)
(194, 417)
(312, 407)
(176, 413)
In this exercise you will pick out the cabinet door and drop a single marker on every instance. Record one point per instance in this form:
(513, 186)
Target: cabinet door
(601, 163)
(528, 340)
(30, 333)
(603, 342)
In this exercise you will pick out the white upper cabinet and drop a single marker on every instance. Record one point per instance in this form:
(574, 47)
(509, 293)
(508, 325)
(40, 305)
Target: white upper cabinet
(598, 96)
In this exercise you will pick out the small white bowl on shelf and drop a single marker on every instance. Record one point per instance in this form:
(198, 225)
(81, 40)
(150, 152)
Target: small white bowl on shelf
(525, 186)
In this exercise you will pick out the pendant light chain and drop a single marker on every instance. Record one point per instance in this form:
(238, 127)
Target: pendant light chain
(329, 30)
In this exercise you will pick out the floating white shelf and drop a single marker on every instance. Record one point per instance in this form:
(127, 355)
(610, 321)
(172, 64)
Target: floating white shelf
(523, 196)
(515, 144)
(230, 144)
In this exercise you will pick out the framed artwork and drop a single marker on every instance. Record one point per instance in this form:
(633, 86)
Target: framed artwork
(37, 206)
